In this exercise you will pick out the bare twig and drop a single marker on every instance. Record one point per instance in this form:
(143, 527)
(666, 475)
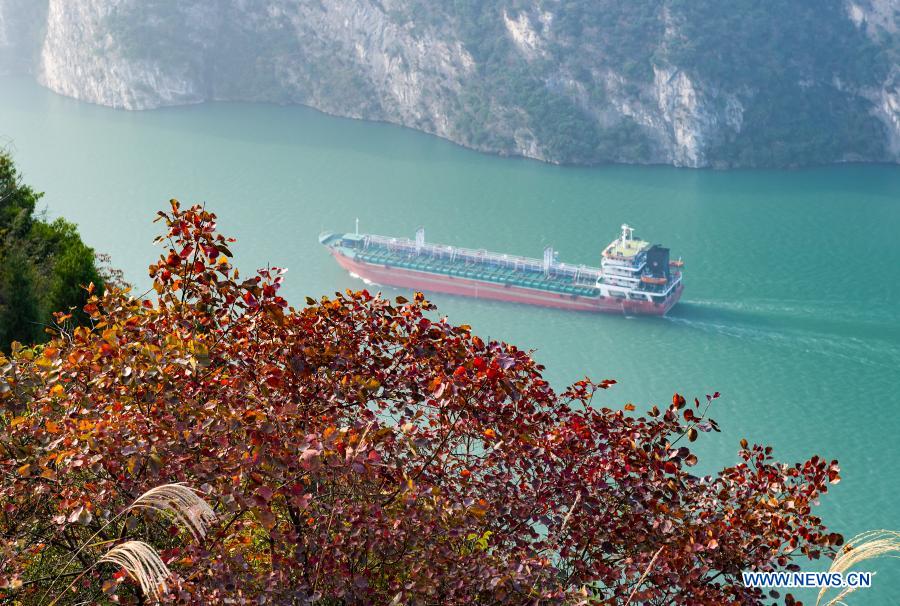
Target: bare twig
(643, 576)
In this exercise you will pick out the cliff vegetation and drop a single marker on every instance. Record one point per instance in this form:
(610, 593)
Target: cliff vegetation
(684, 82)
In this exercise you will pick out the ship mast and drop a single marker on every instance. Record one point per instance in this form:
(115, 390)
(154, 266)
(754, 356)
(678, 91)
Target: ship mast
(420, 239)
(627, 233)
(548, 260)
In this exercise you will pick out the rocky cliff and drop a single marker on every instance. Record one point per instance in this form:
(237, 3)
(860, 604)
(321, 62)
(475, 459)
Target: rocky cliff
(20, 34)
(698, 83)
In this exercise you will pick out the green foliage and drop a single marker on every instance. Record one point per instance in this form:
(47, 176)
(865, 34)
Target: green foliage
(73, 268)
(17, 201)
(45, 265)
(774, 41)
(798, 65)
(796, 68)
(19, 315)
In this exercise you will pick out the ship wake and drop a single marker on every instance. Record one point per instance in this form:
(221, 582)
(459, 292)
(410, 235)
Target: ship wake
(366, 281)
(875, 350)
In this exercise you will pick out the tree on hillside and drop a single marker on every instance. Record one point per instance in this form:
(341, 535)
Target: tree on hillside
(17, 201)
(363, 451)
(19, 314)
(51, 264)
(74, 266)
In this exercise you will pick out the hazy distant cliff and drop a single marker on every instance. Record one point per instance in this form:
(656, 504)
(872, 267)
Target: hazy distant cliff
(686, 82)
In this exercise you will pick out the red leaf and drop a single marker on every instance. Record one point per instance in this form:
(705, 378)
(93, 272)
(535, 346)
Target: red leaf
(265, 493)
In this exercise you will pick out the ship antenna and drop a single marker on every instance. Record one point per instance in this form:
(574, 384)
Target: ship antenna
(357, 226)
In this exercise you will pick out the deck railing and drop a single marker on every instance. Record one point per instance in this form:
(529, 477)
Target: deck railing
(581, 274)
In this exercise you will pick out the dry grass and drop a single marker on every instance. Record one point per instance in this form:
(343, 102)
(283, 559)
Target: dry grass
(139, 559)
(143, 564)
(862, 547)
(181, 502)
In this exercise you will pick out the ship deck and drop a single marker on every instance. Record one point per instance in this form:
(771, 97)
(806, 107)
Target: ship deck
(474, 271)
(626, 250)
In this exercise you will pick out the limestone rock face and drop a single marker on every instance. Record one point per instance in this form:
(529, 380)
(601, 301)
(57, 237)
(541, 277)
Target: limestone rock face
(21, 23)
(694, 84)
(82, 58)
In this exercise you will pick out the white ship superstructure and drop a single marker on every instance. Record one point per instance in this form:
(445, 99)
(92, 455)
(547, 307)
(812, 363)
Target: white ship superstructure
(636, 270)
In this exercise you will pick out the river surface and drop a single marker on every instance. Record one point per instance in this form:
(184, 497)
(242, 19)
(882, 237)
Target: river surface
(792, 278)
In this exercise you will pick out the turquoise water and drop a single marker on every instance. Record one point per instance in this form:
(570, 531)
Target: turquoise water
(792, 278)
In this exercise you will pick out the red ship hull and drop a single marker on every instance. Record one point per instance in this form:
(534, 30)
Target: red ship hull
(428, 282)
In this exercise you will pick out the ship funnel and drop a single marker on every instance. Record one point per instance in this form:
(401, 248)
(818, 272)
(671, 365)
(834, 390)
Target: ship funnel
(420, 239)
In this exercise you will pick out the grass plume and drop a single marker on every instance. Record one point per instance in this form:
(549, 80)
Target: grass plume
(143, 564)
(866, 546)
(183, 503)
(138, 558)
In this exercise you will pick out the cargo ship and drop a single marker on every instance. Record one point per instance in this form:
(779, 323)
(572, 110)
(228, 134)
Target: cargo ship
(634, 277)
